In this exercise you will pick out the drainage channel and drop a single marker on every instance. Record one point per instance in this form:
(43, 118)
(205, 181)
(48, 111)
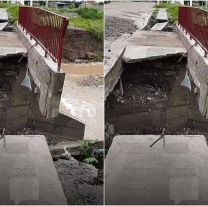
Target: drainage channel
(153, 95)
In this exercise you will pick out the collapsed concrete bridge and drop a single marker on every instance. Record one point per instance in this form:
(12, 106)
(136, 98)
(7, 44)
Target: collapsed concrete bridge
(21, 52)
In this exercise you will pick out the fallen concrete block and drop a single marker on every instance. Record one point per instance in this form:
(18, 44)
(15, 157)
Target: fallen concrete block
(159, 26)
(162, 15)
(3, 15)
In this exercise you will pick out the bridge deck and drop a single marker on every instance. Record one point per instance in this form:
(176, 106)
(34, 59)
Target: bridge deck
(145, 45)
(10, 44)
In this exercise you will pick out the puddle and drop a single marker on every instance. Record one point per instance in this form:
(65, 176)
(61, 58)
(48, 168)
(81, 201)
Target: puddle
(85, 104)
(83, 69)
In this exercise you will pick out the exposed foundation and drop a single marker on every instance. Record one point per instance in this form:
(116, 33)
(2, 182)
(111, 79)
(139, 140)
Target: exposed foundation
(155, 97)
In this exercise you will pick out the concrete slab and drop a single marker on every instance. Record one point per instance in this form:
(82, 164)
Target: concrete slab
(10, 44)
(3, 15)
(159, 26)
(27, 172)
(162, 15)
(137, 12)
(145, 45)
(3, 25)
(170, 172)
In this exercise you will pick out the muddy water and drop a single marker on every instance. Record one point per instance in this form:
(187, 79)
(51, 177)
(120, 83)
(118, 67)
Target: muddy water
(85, 104)
(83, 69)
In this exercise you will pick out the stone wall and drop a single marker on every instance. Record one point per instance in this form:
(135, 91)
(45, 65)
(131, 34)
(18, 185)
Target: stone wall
(80, 44)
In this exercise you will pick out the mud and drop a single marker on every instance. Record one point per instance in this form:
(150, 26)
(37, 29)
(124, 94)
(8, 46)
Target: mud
(81, 47)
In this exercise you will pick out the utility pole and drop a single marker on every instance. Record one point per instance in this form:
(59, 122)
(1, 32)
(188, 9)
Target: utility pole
(191, 2)
(46, 4)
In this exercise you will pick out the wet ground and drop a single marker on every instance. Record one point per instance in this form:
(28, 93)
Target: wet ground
(83, 99)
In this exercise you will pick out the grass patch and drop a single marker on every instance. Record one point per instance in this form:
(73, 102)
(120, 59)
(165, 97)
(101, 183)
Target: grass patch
(89, 19)
(172, 10)
(13, 11)
(95, 27)
(88, 13)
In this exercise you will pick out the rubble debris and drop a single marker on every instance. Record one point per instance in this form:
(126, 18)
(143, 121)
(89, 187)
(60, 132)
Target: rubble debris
(79, 183)
(116, 27)
(140, 94)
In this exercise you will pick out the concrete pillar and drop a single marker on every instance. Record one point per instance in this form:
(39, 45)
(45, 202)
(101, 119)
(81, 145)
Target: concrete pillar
(31, 2)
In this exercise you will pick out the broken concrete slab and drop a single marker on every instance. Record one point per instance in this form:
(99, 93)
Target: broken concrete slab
(135, 54)
(159, 26)
(113, 62)
(145, 45)
(73, 147)
(3, 25)
(10, 44)
(162, 15)
(173, 171)
(3, 15)
(26, 163)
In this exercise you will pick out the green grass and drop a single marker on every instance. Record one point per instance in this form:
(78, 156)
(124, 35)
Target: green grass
(172, 10)
(13, 11)
(89, 19)
(95, 27)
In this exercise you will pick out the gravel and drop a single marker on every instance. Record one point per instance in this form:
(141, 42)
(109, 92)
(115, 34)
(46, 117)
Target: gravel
(116, 27)
(91, 81)
(79, 182)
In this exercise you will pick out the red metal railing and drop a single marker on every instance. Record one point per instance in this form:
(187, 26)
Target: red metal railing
(46, 28)
(195, 22)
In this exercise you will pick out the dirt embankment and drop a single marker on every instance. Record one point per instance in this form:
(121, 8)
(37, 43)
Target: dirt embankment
(80, 45)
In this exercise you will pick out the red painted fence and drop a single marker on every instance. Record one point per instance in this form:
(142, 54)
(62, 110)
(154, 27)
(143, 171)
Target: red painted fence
(195, 22)
(46, 28)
